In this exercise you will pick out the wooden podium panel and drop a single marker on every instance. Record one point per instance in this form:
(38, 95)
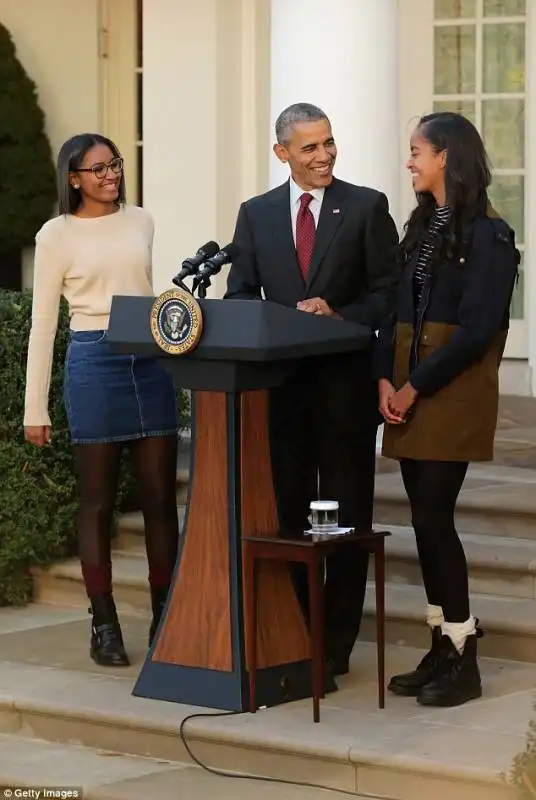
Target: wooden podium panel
(198, 656)
(282, 636)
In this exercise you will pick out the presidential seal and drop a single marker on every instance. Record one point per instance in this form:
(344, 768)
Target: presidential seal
(176, 322)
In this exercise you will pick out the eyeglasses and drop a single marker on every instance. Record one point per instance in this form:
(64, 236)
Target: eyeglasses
(101, 170)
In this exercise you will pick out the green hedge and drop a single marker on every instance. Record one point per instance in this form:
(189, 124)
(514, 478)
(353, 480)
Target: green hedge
(38, 502)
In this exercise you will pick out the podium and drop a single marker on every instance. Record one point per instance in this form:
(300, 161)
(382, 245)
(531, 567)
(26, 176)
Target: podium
(198, 656)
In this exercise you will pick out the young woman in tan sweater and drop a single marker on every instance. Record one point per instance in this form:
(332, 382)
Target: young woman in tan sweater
(96, 247)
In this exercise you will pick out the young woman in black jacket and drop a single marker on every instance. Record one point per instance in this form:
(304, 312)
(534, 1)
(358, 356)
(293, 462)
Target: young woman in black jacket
(437, 363)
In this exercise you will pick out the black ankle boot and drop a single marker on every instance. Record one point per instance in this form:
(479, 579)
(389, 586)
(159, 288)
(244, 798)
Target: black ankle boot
(107, 648)
(458, 679)
(158, 601)
(410, 684)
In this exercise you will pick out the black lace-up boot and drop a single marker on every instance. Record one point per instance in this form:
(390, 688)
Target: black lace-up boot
(410, 684)
(458, 677)
(107, 648)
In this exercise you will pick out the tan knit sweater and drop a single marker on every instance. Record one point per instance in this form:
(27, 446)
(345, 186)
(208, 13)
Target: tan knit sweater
(87, 261)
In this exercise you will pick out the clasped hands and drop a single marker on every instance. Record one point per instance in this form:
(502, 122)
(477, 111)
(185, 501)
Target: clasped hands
(317, 305)
(394, 406)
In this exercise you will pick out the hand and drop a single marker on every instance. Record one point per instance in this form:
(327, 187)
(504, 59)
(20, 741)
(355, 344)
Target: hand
(316, 305)
(37, 434)
(386, 390)
(401, 402)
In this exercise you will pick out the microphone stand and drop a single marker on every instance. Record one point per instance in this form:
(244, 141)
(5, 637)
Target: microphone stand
(202, 287)
(183, 286)
(201, 284)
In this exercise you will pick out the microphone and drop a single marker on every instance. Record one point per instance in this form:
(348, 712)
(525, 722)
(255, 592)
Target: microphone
(214, 264)
(190, 265)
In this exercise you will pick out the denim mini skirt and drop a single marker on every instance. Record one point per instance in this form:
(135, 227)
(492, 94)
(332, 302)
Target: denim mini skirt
(115, 397)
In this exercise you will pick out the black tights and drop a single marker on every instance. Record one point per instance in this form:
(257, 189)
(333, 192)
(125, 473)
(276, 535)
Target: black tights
(433, 488)
(155, 467)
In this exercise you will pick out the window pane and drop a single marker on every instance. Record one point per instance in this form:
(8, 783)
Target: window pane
(503, 129)
(465, 107)
(504, 57)
(507, 197)
(517, 310)
(452, 9)
(454, 59)
(505, 8)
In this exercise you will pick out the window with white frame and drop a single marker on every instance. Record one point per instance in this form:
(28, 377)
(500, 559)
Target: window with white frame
(479, 71)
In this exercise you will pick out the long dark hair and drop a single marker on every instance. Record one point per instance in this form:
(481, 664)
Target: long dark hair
(70, 159)
(467, 177)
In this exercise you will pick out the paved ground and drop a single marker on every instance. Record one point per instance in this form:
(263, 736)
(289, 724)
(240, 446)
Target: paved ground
(45, 665)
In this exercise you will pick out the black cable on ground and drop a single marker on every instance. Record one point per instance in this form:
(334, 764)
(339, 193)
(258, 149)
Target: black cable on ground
(225, 774)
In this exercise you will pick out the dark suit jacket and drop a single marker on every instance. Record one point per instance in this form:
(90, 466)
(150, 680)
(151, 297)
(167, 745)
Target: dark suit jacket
(353, 268)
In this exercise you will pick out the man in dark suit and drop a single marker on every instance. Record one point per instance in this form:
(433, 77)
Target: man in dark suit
(325, 247)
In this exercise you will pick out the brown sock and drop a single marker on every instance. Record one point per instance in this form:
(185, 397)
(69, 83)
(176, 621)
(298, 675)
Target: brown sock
(97, 579)
(160, 575)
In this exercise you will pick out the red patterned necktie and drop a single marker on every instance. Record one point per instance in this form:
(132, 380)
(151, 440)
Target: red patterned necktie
(305, 234)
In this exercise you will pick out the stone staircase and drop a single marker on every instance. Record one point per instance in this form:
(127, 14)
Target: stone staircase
(402, 753)
(496, 519)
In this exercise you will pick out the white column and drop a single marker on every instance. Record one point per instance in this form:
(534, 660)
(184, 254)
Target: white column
(179, 129)
(342, 55)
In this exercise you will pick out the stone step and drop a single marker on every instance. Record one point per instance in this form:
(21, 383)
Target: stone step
(51, 692)
(516, 447)
(516, 411)
(509, 623)
(62, 584)
(183, 478)
(130, 531)
(498, 501)
(497, 565)
(107, 775)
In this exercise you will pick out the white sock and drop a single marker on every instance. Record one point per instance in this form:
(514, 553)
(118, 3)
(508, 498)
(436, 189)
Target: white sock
(434, 616)
(459, 631)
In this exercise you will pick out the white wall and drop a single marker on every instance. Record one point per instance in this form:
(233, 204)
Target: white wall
(179, 125)
(204, 90)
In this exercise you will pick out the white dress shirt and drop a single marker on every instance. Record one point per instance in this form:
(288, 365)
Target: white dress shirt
(315, 205)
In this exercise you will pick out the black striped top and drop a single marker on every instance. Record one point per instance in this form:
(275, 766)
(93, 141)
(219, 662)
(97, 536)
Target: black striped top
(439, 218)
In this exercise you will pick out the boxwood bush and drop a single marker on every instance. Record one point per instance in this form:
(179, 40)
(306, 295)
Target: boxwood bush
(523, 772)
(38, 503)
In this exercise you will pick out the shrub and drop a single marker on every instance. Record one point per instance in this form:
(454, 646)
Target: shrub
(523, 773)
(28, 177)
(38, 501)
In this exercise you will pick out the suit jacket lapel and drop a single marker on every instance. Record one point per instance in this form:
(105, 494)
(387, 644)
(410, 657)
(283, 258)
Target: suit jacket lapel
(285, 250)
(331, 215)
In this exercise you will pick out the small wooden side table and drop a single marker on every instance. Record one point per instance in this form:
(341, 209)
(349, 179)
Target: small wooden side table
(313, 554)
